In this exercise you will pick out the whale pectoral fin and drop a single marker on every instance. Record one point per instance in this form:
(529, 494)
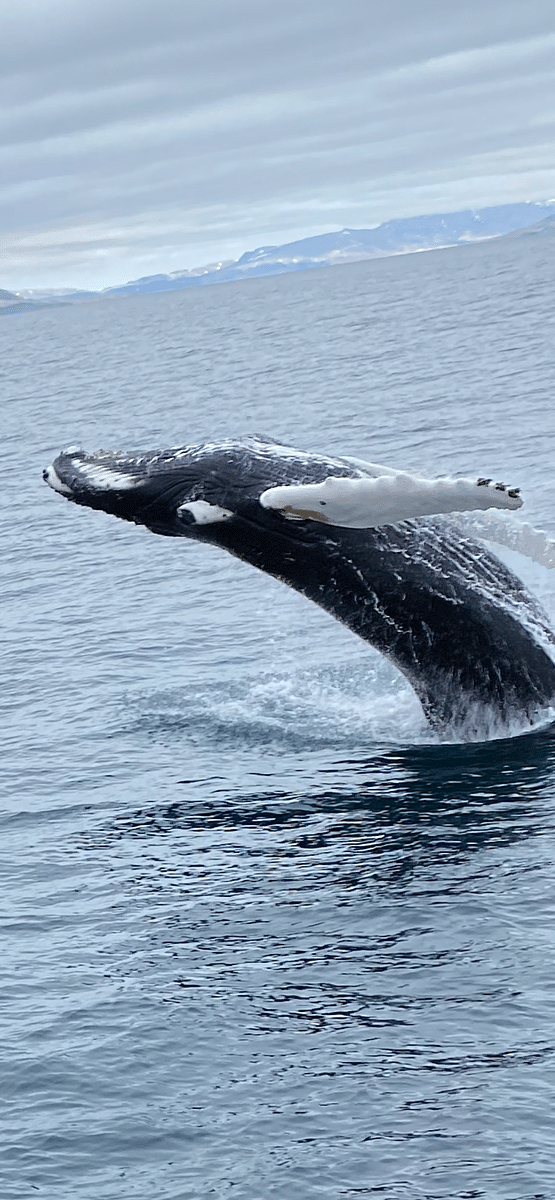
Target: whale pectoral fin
(368, 503)
(369, 468)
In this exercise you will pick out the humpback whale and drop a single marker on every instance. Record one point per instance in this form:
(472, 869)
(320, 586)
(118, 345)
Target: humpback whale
(377, 548)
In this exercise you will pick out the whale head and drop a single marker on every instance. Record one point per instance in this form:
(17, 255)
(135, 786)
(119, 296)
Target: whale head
(165, 490)
(183, 491)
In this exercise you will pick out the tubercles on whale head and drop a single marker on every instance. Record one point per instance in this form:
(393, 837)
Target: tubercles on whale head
(106, 478)
(105, 470)
(75, 474)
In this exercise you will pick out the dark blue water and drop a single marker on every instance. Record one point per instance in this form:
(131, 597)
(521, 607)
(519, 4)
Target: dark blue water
(263, 937)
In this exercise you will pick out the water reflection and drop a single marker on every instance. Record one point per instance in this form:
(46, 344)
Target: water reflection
(375, 917)
(437, 800)
(357, 938)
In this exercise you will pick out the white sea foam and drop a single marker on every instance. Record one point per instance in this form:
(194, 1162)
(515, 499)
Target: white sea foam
(516, 535)
(303, 710)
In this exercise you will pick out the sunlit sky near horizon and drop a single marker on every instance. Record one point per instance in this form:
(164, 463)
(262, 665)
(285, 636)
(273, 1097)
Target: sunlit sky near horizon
(139, 137)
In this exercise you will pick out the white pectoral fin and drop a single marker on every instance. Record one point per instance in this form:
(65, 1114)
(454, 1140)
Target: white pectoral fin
(367, 503)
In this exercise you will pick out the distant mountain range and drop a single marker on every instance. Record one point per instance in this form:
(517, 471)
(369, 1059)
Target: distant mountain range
(545, 228)
(404, 236)
(10, 302)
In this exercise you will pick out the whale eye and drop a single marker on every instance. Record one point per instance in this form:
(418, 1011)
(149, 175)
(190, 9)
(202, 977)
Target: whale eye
(323, 502)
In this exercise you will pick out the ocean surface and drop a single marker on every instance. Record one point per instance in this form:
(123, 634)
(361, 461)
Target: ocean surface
(263, 935)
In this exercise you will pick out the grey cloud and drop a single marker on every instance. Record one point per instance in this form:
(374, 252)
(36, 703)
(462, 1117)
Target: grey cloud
(167, 129)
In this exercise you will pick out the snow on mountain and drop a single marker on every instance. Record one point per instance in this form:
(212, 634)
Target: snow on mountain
(403, 235)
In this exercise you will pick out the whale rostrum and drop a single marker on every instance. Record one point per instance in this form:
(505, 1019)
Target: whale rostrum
(375, 547)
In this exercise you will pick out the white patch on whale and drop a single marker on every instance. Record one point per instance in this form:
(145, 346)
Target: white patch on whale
(205, 513)
(53, 480)
(105, 478)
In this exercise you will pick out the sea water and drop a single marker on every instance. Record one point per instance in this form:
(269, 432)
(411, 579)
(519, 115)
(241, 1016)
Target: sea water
(264, 936)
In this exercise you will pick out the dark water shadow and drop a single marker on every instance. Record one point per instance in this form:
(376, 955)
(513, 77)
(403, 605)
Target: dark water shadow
(443, 800)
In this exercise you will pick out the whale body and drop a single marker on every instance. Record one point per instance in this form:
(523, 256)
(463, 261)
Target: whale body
(362, 541)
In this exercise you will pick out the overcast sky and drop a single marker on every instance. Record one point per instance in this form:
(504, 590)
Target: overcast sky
(139, 136)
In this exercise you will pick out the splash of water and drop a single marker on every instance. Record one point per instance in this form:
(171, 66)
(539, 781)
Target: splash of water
(506, 531)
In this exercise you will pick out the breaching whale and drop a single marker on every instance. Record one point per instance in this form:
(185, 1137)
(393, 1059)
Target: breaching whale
(371, 545)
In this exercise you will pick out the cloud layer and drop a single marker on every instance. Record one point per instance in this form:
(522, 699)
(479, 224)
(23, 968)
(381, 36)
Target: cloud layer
(138, 136)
